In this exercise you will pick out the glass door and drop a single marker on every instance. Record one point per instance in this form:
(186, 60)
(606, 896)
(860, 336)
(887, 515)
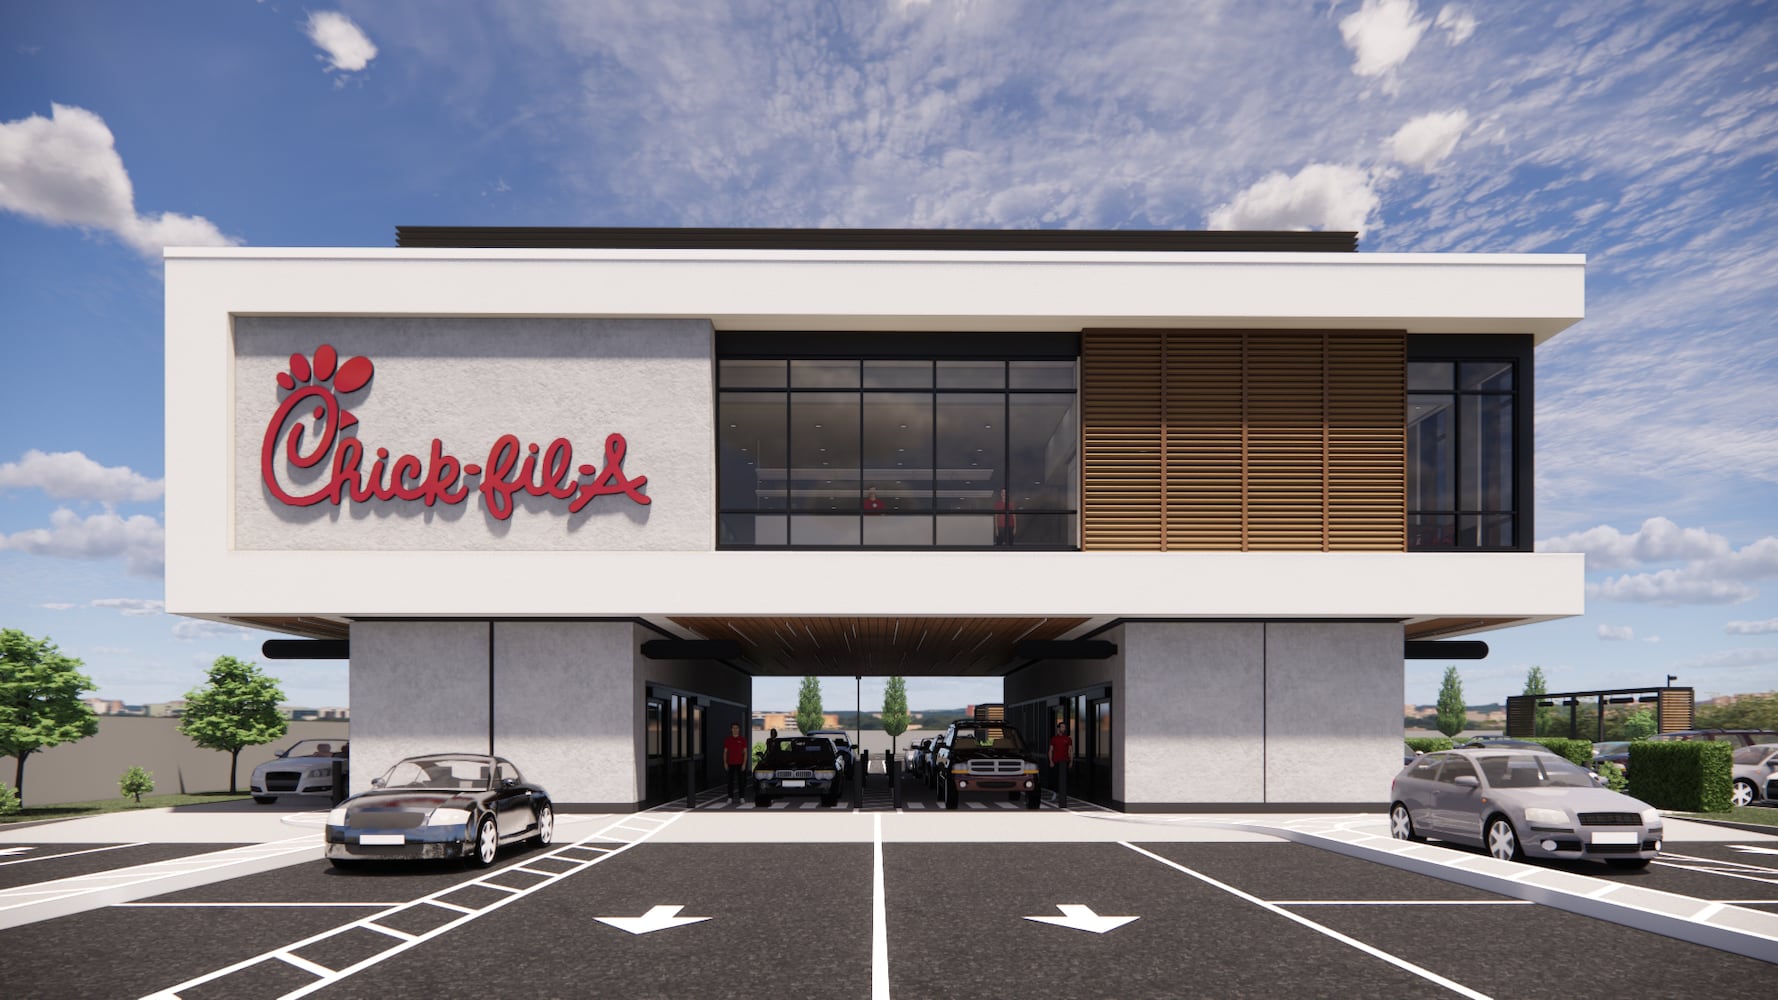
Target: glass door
(655, 768)
(1099, 739)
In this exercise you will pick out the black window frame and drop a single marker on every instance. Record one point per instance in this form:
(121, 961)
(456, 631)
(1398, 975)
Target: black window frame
(1513, 349)
(877, 346)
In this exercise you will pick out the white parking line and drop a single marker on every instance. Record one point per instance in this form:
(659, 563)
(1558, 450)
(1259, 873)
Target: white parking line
(879, 920)
(1400, 963)
(326, 977)
(382, 906)
(69, 854)
(1402, 902)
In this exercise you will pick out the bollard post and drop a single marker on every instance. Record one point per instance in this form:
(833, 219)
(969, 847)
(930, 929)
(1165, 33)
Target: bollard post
(1062, 786)
(864, 766)
(339, 782)
(895, 780)
(691, 782)
(858, 783)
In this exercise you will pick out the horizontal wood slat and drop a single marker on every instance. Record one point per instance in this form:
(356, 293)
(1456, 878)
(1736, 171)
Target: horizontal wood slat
(1243, 440)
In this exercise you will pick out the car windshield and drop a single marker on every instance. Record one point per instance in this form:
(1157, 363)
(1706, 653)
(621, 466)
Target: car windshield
(1533, 771)
(450, 773)
(315, 748)
(979, 737)
(805, 752)
(1754, 754)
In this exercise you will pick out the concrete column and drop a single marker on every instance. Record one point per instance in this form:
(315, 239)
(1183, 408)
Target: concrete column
(1193, 714)
(417, 687)
(560, 714)
(1333, 719)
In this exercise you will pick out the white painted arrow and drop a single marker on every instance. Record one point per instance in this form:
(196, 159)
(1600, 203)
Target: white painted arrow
(13, 850)
(1750, 849)
(657, 918)
(1082, 918)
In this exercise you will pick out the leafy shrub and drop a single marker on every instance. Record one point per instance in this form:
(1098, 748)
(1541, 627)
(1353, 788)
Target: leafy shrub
(1430, 744)
(1614, 776)
(759, 750)
(136, 782)
(9, 800)
(1578, 751)
(1691, 776)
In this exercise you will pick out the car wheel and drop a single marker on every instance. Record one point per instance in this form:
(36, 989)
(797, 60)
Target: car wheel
(761, 801)
(1629, 864)
(1034, 799)
(487, 843)
(950, 795)
(265, 800)
(1401, 824)
(1013, 796)
(1502, 842)
(830, 800)
(546, 825)
(1744, 793)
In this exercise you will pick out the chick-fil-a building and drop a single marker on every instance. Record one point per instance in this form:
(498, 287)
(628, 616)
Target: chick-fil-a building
(564, 492)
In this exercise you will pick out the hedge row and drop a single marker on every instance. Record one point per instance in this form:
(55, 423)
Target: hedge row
(1691, 776)
(1578, 751)
(1429, 744)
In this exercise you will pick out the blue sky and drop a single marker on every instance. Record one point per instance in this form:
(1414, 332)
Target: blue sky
(1642, 135)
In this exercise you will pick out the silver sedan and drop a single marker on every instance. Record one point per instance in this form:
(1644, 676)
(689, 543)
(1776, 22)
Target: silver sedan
(1520, 803)
(1755, 767)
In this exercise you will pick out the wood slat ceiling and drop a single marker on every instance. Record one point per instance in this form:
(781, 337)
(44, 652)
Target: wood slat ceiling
(911, 647)
(1438, 628)
(307, 628)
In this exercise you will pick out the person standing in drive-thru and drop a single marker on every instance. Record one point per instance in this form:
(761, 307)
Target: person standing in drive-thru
(1061, 751)
(734, 754)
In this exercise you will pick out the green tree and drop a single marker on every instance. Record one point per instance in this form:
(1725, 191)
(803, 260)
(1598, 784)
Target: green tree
(895, 710)
(1546, 715)
(40, 702)
(1452, 716)
(1748, 711)
(135, 782)
(1640, 725)
(808, 705)
(238, 708)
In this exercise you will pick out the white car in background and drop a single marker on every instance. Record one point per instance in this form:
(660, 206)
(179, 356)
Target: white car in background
(842, 746)
(302, 768)
(1755, 768)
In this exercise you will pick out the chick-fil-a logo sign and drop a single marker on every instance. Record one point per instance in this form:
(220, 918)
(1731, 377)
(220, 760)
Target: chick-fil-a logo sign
(314, 391)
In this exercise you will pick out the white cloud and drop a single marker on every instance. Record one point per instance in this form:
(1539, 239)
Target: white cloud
(1382, 34)
(1767, 627)
(1616, 633)
(1325, 195)
(65, 170)
(1730, 659)
(1428, 139)
(70, 475)
(139, 540)
(1657, 540)
(1457, 21)
(131, 606)
(58, 606)
(347, 47)
(195, 630)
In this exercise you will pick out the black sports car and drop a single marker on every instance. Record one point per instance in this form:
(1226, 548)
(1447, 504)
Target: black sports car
(448, 805)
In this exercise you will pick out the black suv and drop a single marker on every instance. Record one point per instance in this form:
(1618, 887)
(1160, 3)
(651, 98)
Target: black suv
(985, 757)
(796, 765)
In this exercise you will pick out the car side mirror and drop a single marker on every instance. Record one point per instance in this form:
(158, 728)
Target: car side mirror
(1467, 781)
(508, 782)
(376, 782)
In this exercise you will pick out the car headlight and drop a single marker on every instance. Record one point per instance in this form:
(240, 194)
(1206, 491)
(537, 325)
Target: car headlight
(320, 772)
(762, 775)
(448, 817)
(1651, 817)
(1548, 817)
(1030, 768)
(825, 775)
(337, 817)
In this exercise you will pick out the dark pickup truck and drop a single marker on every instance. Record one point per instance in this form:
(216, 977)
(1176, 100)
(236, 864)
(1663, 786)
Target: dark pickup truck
(987, 758)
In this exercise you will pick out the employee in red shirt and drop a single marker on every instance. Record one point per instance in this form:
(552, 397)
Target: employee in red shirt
(734, 754)
(1061, 750)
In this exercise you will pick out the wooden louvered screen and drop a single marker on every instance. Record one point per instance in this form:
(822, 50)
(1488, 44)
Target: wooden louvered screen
(1243, 440)
(1121, 442)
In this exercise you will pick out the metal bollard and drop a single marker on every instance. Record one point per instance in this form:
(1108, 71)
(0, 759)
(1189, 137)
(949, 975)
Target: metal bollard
(895, 780)
(858, 784)
(1061, 786)
(863, 766)
(339, 782)
(691, 783)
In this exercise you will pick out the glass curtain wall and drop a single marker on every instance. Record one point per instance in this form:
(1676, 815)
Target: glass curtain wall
(1461, 465)
(897, 453)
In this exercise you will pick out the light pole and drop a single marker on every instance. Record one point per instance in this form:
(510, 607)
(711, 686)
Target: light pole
(858, 710)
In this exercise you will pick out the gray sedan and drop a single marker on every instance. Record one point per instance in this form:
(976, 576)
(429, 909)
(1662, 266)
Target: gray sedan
(1520, 803)
(1755, 767)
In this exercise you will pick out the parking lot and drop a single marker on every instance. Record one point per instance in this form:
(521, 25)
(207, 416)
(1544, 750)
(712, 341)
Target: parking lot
(739, 903)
